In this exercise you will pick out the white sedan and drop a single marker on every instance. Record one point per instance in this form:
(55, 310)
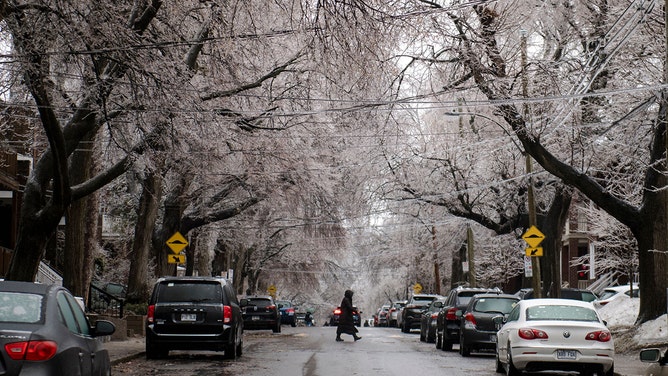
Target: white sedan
(554, 335)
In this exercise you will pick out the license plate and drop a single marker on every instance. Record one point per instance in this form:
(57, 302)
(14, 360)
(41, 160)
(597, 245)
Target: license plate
(255, 318)
(566, 354)
(492, 337)
(188, 317)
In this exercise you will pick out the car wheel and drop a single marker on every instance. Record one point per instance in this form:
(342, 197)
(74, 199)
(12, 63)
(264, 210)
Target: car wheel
(446, 346)
(276, 329)
(439, 341)
(240, 348)
(611, 372)
(422, 337)
(499, 365)
(231, 350)
(155, 352)
(510, 368)
(463, 350)
(293, 324)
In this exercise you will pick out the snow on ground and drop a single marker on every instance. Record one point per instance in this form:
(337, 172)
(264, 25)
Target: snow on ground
(621, 315)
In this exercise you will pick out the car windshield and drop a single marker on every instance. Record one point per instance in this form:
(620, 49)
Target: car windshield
(607, 294)
(283, 303)
(561, 312)
(20, 307)
(503, 305)
(172, 292)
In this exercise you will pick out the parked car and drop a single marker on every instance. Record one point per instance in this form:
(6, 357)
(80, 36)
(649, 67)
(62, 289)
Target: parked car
(395, 311)
(412, 312)
(193, 313)
(480, 321)
(287, 311)
(566, 293)
(44, 331)
(334, 318)
(428, 320)
(448, 320)
(383, 315)
(554, 335)
(659, 366)
(260, 312)
(614, 292)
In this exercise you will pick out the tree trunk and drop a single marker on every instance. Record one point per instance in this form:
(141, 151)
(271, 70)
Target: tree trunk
(147, 215)
(81, 233)
(553, 224)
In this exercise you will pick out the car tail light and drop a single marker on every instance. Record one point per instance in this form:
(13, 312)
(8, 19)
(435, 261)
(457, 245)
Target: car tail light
(600, 336)
(392, 310)
(271, 307)
(290, 311)
(337, 311)
(227, 314)
(150, 314)
(469, 320)
(451, 314)
(530, 333)
(434, 315)
(31, 350)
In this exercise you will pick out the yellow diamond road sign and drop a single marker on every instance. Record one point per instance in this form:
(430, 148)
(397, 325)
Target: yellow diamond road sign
(533, 237)
(177, 242)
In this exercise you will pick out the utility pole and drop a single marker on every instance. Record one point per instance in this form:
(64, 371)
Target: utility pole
(470, 254)
(535, 263)
(437, 272)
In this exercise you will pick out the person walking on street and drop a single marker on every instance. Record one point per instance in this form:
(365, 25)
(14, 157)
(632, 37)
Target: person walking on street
(346, 323)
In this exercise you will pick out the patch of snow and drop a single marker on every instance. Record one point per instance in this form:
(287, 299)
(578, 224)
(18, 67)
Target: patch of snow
(623, 312)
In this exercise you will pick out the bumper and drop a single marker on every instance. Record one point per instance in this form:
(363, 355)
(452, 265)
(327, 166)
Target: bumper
(190, 341)
(479, 339)
(260, 324)
(535, 359)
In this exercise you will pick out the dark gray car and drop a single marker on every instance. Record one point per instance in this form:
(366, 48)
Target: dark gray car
(479, 321)
(193, 313)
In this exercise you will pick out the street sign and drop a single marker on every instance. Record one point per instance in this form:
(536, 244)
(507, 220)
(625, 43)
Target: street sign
(533, 237)
(176, 259)
(271, 290)
(534, 252)
(177, 242)
(417, 288)
(528, 268)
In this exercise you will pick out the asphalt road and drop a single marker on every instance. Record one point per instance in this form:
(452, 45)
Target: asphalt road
(312, 351)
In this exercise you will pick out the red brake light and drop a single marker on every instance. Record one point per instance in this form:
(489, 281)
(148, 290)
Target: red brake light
(434, 315)
(271, 307)
(529, 333)
(290, 310)
(31, 350)
(150, 314)
(601, 336)
(470, 318)
(451, 314)
(337, 311)
(227, 314)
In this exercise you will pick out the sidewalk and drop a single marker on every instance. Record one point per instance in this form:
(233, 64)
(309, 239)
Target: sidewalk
(123, 351)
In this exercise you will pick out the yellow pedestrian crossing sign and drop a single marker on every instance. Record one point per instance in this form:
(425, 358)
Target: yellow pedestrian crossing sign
(177, 242)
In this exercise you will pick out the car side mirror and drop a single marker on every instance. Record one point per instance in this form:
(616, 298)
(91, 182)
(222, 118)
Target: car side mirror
(103, 328)
(650, 355)
(280, 306)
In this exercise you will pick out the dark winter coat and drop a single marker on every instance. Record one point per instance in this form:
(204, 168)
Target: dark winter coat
(346, 323)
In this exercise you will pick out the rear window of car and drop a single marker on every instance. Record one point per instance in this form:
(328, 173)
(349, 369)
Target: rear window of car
(174, 292)
(20, 307)
(561, 312)
(259, 302)
(503, 305)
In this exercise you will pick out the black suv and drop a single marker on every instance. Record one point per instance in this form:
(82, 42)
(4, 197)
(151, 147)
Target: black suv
(412, 312)
(193, 313)
(449, 317)
(260, 312)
